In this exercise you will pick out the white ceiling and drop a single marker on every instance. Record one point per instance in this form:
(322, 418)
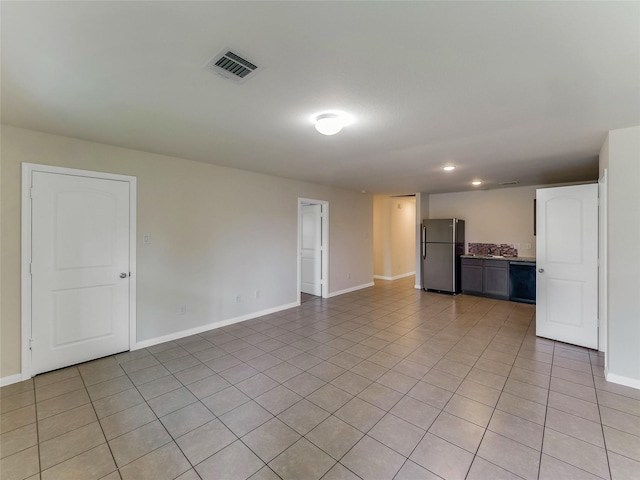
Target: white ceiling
(506, 91)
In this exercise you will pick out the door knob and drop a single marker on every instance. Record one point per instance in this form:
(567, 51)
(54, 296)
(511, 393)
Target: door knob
(541, 270)
(123, 275)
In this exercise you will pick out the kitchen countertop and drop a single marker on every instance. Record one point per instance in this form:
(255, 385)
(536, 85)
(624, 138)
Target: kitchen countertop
(493, 257)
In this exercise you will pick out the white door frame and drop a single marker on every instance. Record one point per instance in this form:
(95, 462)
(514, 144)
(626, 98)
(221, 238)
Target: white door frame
(324, 220)
(27, 170)
(603, 289)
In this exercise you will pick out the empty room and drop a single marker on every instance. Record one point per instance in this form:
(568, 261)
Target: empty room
(319, 240)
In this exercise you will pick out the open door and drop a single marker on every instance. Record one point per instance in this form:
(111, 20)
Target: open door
(312, 247)
(567, 264)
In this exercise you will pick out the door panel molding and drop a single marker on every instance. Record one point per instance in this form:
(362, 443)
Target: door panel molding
(28, 169)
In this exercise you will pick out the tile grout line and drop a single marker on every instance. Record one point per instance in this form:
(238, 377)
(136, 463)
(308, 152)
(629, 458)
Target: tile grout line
(173, 440)
(604, 438)
(99, 422)
(546, 410)
(501, 391)
(35, 407)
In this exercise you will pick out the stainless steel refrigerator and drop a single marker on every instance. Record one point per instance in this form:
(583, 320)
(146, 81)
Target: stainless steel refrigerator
(442, 245)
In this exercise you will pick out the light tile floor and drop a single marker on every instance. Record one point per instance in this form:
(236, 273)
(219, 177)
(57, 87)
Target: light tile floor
(383, 383)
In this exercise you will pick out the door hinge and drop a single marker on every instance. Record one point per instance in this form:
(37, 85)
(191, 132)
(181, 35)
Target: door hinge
(31, 192)
(31, 344)
(31, 269)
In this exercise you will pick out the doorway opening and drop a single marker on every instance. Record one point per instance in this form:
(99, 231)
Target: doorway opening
(313, 251)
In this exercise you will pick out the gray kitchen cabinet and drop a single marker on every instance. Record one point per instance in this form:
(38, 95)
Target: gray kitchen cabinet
(495, 278)
(471, 276)
(485, 277)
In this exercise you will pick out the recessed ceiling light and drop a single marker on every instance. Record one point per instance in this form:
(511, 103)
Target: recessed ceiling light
(476, 183)
(448, 168)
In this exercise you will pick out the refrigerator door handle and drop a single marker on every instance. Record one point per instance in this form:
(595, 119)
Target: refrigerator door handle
(424, 242)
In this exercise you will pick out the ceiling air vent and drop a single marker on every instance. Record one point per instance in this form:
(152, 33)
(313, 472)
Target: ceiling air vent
(510, 182)
(232, 66)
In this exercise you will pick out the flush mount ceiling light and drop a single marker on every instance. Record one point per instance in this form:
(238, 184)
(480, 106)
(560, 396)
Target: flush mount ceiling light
(476, 183)
(448, 168)
(329, 123)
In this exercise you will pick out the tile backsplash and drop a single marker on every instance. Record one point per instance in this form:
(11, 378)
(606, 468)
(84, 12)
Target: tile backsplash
(492, 249)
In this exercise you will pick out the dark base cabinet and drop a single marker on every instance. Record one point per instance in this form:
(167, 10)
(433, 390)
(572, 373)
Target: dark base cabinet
(489, 278)
(471, 275)
(495, 278)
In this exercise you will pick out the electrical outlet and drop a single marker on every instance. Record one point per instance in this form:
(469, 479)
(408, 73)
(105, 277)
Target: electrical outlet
(516, 246)
(146, 239)
(348, 276)
(183, 309)
(257, 293)
(527, 246)
(238, 298)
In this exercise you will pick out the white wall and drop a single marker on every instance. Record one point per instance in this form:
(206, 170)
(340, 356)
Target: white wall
(394, 236)
(491, 216)
(620, 154)
(215, 233)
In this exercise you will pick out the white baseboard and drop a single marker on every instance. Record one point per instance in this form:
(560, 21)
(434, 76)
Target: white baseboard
(4, 381)
(404, 275)
(621, 380)
(417, 287)
(204, 328)
(349, 290)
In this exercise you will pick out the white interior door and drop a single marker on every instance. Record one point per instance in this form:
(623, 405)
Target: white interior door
(311, 249)
(79, 269)
(567, 263)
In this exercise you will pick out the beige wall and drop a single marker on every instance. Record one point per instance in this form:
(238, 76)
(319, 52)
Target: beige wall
(491, 216)
(422, 213)
(381, 236)
(403, 215)
(620, 154)
(394, 236)
(216, 233)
